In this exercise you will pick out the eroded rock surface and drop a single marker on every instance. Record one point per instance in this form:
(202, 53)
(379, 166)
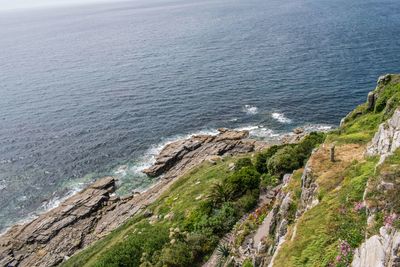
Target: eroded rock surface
(93, 213)
(379, 250)
(48, 239)
(387, 139)
(187, 153)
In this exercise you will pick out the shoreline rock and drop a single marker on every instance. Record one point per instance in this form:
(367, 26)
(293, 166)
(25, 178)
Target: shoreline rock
(94, 212)
(185, 154)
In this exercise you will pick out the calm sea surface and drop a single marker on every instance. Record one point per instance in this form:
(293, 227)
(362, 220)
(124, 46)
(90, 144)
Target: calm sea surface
(96, 90)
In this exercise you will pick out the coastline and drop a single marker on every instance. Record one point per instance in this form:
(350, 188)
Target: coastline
(95, 211)
(124, 172)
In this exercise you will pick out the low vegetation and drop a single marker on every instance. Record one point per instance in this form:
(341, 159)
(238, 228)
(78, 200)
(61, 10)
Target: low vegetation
(188, 220)
(327, 234)
(184, 226)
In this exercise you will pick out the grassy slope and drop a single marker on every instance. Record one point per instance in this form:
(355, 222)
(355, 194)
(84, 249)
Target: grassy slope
(316, 239)
(179, 201)
(341, 186)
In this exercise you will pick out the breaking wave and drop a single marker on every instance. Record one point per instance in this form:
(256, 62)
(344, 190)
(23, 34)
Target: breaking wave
(280, 117)
(250, 110)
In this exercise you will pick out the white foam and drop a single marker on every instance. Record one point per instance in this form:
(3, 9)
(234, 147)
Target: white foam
(48, 205)
(56, 200)
(280, 117)
(247, 128)
(149, 157)
(2, 185)
(318, 127)
(259, 131)
(250, 110)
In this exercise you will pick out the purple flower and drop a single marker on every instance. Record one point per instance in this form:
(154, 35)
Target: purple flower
(389, 220)
(359, 206)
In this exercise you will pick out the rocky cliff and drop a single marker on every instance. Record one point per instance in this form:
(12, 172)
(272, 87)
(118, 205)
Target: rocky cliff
(96, 211)
(383, 248)
(339, 209)
(346, 207)
(387, 139)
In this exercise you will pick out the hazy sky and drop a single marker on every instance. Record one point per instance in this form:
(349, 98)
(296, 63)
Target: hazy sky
(16, 4)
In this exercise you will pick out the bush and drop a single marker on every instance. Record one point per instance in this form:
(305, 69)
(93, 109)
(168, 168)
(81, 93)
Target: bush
(243, 162)
(269, 180)
(284, 161)
(249, 200)
(263, 157)
(201, 244)
(243, 180)
(151, 240)
(220, 222)
(247, 263)
(177, 255)
(306, 146)
(220, 193)
(292, 157)
(223, 219)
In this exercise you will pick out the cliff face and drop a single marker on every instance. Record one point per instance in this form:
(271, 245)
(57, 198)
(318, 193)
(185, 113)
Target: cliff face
(352, 208)
(383, 248)
(346, 210)
(335, 211)
(387, 139)
(93, 213)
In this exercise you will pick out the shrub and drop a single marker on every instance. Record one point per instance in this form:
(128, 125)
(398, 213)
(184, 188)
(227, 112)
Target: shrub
(269, 180)
(292, 157)
(177, 255)
(243, 180)
(130, 251)
(220, 222)
(306, 146)
(201, 244)
(248, 201)
(243, 162)
(284, 161)
(220, 193)
(247, 263)
(263, 157)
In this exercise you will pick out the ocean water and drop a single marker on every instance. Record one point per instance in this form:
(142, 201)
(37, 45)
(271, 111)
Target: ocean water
(96, 90)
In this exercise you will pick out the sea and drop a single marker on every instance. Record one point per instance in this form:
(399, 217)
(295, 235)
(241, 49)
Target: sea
(93, 90)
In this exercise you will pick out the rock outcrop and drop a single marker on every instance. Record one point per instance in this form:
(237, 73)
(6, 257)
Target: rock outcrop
(308, 190)
(46, 240)
(387, 139)
(187, 153)
(93, 213)
(382, 249)
(379, 250)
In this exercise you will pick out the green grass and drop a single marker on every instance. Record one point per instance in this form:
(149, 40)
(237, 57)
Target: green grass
(357, 131)
(197, 223)
(320, 229)
(387, 201)
(138, 236)
(361, 124)
(335, 219)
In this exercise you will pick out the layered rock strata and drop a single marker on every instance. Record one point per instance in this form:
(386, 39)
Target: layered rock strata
(94, 212)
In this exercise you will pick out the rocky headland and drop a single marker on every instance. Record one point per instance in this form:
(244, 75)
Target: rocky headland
(332, 202)
(94, 212)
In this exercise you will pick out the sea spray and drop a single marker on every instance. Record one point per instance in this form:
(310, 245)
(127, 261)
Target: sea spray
(280, 117)
(250, 110)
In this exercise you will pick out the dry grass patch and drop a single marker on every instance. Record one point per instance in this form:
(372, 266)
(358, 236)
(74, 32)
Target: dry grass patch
(330, 174)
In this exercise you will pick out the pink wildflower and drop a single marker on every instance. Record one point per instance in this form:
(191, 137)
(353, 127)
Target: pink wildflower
(389, 220)
(359, 206)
